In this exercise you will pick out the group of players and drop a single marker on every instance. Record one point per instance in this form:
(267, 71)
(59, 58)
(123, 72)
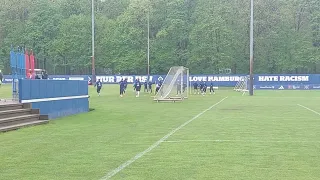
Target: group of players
(136, 86)
(198, 88)
(201, 87)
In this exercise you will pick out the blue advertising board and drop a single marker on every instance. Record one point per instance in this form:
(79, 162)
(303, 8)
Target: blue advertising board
(287, 82)
(219, 80)
(261, 81)
(287, 87)
(284, 79)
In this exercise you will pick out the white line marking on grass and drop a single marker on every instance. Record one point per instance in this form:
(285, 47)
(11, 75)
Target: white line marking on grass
(139, 155)
(309, 109)
(261, 141)
(208, 140)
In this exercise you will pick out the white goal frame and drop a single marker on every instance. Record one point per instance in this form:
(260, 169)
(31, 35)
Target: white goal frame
(242, 85)
(170, 85)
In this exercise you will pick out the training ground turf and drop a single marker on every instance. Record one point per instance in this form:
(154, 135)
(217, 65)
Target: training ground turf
(273, 135)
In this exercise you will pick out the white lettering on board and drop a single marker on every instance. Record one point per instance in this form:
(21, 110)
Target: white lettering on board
(109, 79)
(215, 78)
(268, 78)
(294, 78)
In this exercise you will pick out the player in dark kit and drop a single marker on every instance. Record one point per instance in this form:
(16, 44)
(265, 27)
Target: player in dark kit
(178, 88)
(195, 87)
(99, 86)
(184, 87)
(122, 87)
(138, 87)
(134, 85)
(204, 88)
(201, 87)
(158, 87)
(150, 86)
(125, 83)
(145, 86)
(211, 88)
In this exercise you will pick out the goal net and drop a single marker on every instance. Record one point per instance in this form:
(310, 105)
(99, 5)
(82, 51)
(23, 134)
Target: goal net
(242, 85)
(175, 85)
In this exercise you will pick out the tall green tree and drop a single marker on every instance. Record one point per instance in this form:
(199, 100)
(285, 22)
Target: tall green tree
(204, 35)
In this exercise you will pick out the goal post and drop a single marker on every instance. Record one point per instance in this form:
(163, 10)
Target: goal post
(175, 85)
(242, 85)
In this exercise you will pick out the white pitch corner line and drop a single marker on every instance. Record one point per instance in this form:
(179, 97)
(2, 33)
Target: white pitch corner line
(309, 109)
(156, 144)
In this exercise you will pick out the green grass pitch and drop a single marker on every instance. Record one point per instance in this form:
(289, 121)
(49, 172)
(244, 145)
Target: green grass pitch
(272, 135)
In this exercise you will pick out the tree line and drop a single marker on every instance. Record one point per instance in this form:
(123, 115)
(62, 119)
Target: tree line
(206, 36)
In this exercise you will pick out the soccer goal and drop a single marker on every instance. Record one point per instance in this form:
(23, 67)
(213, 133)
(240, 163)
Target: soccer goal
(175, 86)
(242, 85)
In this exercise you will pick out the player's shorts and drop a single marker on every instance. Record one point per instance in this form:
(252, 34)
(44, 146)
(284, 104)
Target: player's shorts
(138, 88)
(98, 89)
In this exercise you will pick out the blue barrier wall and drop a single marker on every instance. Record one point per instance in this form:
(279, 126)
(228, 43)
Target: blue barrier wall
(261, 81)
(55, 98)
